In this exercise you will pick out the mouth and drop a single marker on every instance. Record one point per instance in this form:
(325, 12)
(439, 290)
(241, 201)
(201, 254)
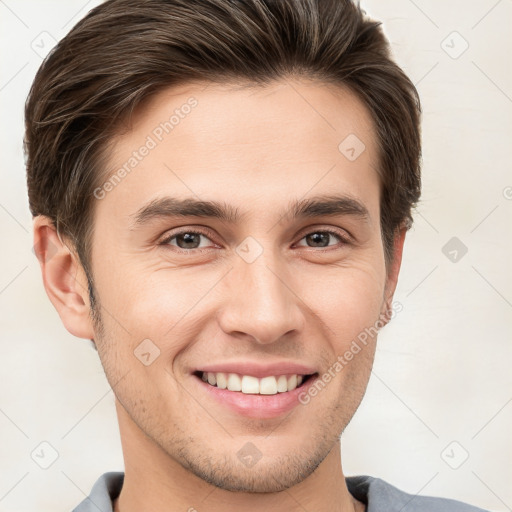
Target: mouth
(251, 385)
(251, 397)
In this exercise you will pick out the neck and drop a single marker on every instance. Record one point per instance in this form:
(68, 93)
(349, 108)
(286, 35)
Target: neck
(155, 481)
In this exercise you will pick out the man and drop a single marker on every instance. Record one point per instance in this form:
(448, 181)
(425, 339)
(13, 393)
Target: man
(221, 191)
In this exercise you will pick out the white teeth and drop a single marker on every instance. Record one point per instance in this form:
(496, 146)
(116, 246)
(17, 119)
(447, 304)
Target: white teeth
(222, 382)
(268, 386)
(234, 382)
(248, 384)
(292, 382)
(282, 384)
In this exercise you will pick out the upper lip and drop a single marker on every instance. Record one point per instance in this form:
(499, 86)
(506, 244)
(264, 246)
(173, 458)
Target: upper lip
(258, 370)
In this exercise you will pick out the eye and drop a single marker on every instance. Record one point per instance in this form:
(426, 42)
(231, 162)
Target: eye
(321, 238)
(186, 240)
(189, 240)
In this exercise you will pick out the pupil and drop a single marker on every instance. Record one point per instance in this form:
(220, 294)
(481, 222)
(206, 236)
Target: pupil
(188, 238)
(318, 238)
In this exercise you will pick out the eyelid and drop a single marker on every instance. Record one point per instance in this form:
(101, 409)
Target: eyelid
(164, 239)
(342, 234)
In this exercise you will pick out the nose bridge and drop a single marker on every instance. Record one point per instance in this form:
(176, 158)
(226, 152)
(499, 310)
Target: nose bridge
(261, 304)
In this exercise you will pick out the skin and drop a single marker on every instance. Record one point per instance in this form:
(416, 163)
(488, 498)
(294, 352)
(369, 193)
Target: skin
(256, 149)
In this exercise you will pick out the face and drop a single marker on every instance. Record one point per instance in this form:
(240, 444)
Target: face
(276, 279)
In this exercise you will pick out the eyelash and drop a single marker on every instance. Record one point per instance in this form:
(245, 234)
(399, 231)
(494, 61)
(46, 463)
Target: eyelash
(208, 234)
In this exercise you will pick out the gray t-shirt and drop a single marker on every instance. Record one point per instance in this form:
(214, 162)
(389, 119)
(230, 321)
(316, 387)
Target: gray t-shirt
(378, 496)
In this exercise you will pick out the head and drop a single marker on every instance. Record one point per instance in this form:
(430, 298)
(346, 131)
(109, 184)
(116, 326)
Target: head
(224, 182)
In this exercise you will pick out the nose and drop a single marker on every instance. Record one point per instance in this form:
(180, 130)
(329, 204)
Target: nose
(261, 303)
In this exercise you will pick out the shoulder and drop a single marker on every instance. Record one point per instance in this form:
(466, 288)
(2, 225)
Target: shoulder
(381, 496)
(106, 488)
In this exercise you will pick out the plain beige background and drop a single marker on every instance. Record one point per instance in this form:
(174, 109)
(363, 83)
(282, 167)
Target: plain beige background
(436, 419)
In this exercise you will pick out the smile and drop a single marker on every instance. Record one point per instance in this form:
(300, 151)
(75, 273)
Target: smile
(248, 384)
(266, 397)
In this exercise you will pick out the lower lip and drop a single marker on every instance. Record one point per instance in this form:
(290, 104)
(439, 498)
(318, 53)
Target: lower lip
(257, 406)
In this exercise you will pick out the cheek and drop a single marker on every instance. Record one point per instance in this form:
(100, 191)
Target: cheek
(167, 305)
(145, 300)
(160, 305)
(163, 298)
(347, 300)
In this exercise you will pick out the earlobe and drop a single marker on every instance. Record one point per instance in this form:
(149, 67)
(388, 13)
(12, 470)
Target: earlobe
(63, 278)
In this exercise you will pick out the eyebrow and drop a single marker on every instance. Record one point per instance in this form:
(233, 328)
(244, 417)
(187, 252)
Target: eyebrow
(317, 206)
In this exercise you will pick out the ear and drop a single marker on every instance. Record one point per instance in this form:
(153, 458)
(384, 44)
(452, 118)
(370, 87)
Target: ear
(64, 279)
(393, 271)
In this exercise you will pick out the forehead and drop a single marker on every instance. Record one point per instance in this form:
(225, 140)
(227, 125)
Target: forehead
(251, 144)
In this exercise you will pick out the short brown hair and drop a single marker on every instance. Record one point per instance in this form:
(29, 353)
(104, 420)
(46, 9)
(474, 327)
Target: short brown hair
(125, 51)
